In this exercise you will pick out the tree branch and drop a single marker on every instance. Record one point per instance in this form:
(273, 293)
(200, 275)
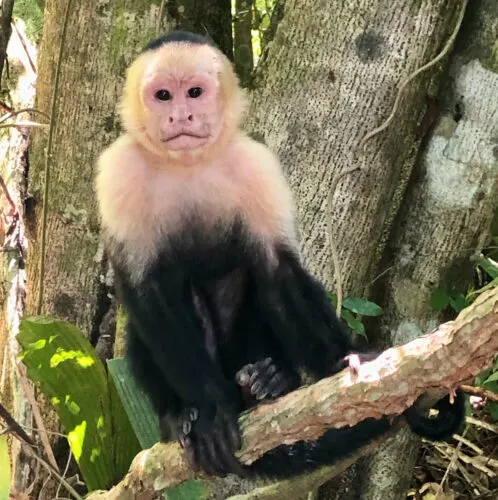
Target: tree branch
(451, 355)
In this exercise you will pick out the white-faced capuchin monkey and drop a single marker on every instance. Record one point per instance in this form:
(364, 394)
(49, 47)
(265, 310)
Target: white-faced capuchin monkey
(198, 223)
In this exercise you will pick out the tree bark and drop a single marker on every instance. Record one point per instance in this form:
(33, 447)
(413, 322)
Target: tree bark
(324, 89)
(445, 217)
(102, 39)
(386, 386)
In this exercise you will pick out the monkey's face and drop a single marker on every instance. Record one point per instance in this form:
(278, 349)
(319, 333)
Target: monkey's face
(184, 111)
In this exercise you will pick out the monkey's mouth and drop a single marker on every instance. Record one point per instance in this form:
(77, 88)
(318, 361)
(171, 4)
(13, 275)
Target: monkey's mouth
(185, 141)
(184, 134)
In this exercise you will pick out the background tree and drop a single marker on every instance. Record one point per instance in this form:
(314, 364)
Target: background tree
(406, 210)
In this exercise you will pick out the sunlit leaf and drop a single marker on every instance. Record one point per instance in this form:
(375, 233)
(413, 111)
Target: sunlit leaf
(492, 378)
(4, 468)
(63, 363)
(362, 306)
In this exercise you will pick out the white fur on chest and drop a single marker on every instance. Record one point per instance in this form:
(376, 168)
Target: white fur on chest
(142, 204)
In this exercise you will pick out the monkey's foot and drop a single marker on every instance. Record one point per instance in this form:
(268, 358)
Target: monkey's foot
(264, 380)
(210, 443)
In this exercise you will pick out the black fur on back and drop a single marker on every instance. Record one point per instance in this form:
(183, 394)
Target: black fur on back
(177, 36)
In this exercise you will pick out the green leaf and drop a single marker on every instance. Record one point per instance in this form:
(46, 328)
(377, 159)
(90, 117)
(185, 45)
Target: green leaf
(459, 302)
(493, 410)
(489, 266)
(4, 468)
(492, 378)
(126, 443)
(62, 362)
(333, 298)
(137, 405)
(439, 299)
(362, 306)
(354, 323)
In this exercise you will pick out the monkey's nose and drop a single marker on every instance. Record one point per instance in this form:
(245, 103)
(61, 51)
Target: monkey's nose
(181, 119)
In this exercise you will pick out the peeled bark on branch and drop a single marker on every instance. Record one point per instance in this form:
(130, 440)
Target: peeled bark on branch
(454, 353)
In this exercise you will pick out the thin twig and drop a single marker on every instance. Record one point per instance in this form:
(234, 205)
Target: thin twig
(57, 475)
(48, 158)
(7, 195)
(13, 426)
(29, 394)
(23, 124)
(482, 424)
(453, 460)
(24, 46)
(65, 472)
(16, 112)
(481, 392)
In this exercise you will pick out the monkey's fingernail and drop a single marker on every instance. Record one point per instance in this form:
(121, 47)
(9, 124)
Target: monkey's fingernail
(194, 414)
(187, 427)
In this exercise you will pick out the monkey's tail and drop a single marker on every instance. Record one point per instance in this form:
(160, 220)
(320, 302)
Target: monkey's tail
(449, 418)
(305, 456)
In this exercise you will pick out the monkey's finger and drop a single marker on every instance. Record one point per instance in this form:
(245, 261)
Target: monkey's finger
(205, 460)
(243, 376)
(228, 459)
(232, 432)
(278, 385)
(263, 374)
(214, 457)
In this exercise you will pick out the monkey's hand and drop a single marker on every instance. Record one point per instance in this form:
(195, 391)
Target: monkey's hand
(211, 440)
(264, 380)
(353, 361)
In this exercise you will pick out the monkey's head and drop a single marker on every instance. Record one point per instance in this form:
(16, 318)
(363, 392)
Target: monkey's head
(182, 99)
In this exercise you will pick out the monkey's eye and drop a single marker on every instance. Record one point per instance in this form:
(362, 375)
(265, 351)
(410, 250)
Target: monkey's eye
(194, 92)
(162, 95)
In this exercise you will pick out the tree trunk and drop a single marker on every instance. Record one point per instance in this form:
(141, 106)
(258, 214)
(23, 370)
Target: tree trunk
(102, 39)
(324, 89)
(445, 217)
(242, 26)
(206, 17)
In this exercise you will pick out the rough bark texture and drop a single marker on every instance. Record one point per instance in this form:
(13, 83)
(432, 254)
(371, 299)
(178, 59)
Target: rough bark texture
(329, 76)
(102, 39)
(444, 218)
(242, 26)
(207, 17)
(14, 144)
(455, 352)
